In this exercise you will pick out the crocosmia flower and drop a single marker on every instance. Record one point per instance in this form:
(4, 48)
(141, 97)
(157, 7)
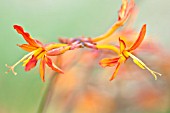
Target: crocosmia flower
(37, 51)
(125, 54)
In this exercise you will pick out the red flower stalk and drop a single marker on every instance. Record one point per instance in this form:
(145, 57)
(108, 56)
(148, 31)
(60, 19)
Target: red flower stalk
(37, 51)
(124, 54)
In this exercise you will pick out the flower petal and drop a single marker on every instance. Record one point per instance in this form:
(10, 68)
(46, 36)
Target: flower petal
(108, 62)
(26, 36)
(31, 64)
(122, 45)
(140, 38)
(52, 65)
(42, 69)
(27, 47)
(116, 71)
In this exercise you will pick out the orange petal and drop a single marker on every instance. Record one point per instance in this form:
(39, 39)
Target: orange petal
(52, 65)
(122, 45)
(108, 62)
(42, 69)
(116, 71)
(26, 36)
(27, 47)
(140, 38)
(31, 64)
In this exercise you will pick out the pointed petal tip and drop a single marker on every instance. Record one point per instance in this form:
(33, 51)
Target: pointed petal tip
(108, 62)
(144, 25)
(121, 40)
(18, 28)
(15, 26)
(26, 69)
(61, 71)
(52, 65)
(43, 80)
(111, 78)
(122, 45)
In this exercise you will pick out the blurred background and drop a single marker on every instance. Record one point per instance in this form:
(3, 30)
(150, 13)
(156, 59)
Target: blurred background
(84, 88)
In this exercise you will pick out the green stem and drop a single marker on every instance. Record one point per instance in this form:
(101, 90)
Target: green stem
(47, 95)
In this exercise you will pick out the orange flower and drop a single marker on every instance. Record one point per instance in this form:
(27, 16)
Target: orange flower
(124, 54)
(37, 51)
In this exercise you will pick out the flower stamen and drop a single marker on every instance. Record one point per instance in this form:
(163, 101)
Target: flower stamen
(143, 66)
(11, 68)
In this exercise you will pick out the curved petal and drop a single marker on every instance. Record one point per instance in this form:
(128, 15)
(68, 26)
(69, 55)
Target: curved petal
(31, 64)
(27, 47)
(42, 69)
(116, 71)
(52, 65)
(140, 38)
(108, 62)
(26, 36)
(122, 45)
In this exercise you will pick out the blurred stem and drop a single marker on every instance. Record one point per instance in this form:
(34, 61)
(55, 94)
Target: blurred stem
(47, 95)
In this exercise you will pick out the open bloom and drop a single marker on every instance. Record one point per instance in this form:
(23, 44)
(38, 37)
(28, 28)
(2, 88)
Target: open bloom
(37, 51)
(124, 54)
